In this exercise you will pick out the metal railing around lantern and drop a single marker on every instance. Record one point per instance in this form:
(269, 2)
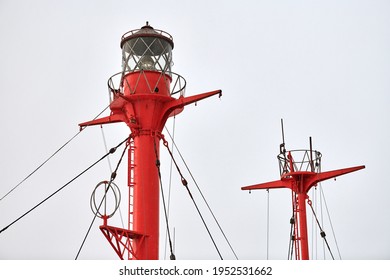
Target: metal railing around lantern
(177, 84)
(299, 160)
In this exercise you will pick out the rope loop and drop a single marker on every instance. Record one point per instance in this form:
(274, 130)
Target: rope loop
(165, 142)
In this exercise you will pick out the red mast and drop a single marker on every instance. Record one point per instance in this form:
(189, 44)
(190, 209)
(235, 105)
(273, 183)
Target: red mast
(142, 96)
(300, 173)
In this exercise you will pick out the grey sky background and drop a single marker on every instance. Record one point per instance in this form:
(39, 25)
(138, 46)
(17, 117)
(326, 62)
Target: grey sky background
(322, 66)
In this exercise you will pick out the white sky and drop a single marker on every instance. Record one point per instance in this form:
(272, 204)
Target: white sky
(322, 66)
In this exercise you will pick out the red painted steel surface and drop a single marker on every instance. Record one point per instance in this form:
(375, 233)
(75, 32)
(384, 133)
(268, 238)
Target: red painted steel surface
(145, 114)
(146, 196)
(144, 102)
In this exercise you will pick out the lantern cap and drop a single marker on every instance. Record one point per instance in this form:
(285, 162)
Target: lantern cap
(147, 31)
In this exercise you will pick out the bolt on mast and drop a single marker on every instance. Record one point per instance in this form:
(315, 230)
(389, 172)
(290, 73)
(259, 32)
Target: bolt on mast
(142, 96)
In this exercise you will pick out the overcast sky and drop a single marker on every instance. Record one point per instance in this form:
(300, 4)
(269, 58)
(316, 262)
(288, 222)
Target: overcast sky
(322, 66)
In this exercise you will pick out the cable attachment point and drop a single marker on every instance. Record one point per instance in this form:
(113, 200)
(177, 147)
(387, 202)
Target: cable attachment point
(184, 182)
(165, 142)
(112, 150)
(322, 232)
(293, 237)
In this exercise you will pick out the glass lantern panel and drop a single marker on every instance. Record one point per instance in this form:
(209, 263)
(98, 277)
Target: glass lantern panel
(147, 53)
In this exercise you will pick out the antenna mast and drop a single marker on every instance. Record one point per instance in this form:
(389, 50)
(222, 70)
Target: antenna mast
(283, 145)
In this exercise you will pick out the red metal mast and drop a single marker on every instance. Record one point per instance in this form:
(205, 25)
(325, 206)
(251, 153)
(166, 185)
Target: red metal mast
(300, 176)
(142, 97)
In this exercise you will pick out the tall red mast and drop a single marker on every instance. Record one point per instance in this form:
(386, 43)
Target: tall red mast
(300, 171)
(143, 96)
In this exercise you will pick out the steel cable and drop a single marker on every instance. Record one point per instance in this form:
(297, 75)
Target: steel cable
(49, 158)
(113, 176)
(322, 233)
(112, 150)
(172, 257)
(109, 164)
(203, 197)
(185, 184)
(170, 184)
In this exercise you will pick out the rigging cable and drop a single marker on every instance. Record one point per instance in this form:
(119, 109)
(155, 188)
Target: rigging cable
(322, 219)
(49, 158)
(330, 221)
(170, 185)
(267, 224)
(292, 228)
(185, 184)
(285, 169)
(322, 233)
(314, 243)
(203, 197)
(109, 164)
(112, 150)
(291, 244)
(113, 176)
(172, 257)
